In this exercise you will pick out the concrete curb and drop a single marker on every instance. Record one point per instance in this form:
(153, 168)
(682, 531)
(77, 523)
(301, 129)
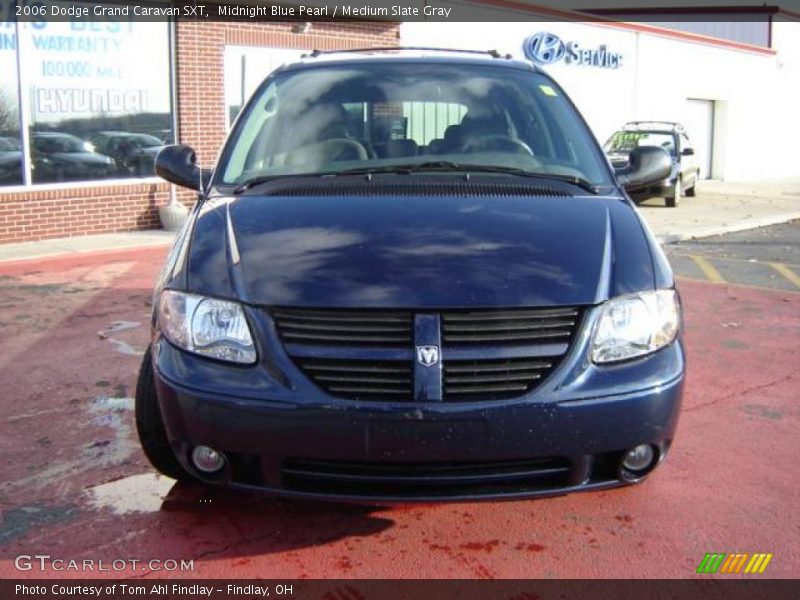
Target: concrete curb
(743, 225)
(78, 245)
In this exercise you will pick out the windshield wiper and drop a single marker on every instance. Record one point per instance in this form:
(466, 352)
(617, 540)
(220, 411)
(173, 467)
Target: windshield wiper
(249, 183)
(406, 168)
(246, 185)
(573, 179)
(437, 165)
(409, 168)
(445, 165)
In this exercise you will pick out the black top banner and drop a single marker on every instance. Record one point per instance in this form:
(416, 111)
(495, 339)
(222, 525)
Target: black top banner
(383, 589)
(394, 10)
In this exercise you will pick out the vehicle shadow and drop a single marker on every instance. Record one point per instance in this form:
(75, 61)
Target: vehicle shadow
(73, 331)
(199, 521)
(651, 203)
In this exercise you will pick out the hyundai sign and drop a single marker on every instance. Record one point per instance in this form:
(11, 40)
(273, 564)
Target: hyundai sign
(546, 48)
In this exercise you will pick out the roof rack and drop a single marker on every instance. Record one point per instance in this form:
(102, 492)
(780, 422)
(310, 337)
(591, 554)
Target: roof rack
(670, 124)
(493, 53)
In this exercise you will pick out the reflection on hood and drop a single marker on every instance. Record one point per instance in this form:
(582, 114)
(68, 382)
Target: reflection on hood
(417, 251)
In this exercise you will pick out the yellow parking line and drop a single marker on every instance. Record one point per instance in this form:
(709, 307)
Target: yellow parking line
(787, 273)
(708, 269)
(735, 260)
(680, 277)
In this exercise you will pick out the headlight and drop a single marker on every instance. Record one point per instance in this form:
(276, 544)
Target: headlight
(635, 325)
(206, 326)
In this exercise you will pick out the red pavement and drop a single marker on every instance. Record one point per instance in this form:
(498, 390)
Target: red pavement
(70, 332)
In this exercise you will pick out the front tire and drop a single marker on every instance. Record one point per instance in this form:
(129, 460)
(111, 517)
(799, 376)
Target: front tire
(150, 425)
(674, 199)
(692, 191)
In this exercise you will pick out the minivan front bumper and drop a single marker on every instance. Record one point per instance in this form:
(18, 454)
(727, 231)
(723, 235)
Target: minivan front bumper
(569, 435)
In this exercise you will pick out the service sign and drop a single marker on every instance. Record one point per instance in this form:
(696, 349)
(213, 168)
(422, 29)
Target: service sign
(545, 48)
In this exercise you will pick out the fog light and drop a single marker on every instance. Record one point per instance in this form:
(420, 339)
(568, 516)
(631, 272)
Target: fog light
(639, 459)
(207, 459)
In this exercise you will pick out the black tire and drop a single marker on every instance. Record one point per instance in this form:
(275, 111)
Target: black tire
(150, 425)
(674, 199)
(692, 191)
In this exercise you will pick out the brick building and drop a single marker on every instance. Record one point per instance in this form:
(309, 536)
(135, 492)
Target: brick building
(77, 129)
(84, 106)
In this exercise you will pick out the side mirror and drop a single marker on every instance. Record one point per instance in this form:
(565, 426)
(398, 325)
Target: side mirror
(177, 164)
(647, 165)
(687, 152)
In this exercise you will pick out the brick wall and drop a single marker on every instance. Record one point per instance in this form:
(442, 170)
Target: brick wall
(200, 46)
(43, 214)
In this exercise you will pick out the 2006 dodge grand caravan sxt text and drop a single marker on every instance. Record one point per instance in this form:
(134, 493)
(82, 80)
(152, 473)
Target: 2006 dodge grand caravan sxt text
(412, 275)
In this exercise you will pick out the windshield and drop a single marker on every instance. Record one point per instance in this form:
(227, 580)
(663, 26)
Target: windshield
(9, 144)
(143, 141)
(625, 141)
(337, 119)
(59, 143)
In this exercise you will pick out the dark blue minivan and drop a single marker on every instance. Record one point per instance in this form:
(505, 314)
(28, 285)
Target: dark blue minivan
(412, 276)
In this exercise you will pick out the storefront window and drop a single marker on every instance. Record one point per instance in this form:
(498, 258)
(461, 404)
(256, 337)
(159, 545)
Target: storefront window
(10, 142)
(97, 97)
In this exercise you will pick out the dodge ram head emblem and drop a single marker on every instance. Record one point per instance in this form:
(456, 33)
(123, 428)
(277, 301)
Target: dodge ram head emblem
(428, 355)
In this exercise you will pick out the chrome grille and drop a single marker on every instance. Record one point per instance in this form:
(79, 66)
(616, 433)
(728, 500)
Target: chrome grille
(361, 379)
(492, 379)
(338, 327)
(369, 354)
(508, 327)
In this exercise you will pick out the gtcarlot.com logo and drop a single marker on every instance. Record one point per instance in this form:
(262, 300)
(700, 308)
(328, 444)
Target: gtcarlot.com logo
(45, 562)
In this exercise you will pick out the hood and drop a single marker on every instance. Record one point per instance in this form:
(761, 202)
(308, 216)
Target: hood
(622, 159)
(149, 151)
(10, 158)
(423, 251)
(618, 159)
(81, 158)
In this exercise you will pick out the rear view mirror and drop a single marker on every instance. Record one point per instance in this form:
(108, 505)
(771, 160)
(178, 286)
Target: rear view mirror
(177, 164)
(687, 152)
(646, 166)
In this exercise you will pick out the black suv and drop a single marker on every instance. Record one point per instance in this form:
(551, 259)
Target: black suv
(133, 153)
(59, 156)
(412, 276)
(661, 134)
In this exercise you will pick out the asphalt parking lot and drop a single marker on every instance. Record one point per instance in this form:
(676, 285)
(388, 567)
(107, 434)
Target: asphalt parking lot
(75, 484)
(768, 257)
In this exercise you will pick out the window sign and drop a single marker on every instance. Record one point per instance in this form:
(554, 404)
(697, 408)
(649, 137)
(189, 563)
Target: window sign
(97, 97)
(10, 141)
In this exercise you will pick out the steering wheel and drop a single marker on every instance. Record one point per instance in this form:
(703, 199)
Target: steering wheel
(496, 143)
(321, 153)
(342, 149)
